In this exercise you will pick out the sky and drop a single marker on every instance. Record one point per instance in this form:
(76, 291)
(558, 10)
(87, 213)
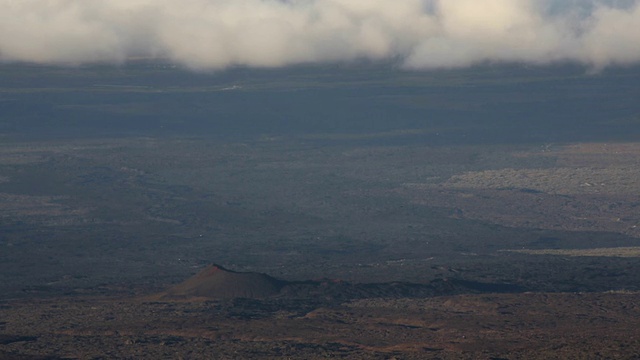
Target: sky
(416, 34)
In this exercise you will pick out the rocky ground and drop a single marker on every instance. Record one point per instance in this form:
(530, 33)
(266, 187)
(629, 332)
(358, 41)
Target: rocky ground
(487, 326)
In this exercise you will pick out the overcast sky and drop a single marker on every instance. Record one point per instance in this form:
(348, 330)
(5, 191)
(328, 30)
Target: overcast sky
(423, 34)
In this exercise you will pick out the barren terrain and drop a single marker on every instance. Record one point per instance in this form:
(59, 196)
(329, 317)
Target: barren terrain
(519, 217)
(481, 213)
(513, 326)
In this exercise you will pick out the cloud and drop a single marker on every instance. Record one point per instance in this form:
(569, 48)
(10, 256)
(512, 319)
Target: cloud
(421, 34)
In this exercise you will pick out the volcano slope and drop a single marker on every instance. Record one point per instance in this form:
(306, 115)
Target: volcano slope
(216, 282)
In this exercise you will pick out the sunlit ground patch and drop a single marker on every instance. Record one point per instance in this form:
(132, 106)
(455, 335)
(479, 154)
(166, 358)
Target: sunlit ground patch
(608, 252)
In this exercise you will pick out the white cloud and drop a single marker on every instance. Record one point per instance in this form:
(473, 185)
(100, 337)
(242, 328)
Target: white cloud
(419, 33)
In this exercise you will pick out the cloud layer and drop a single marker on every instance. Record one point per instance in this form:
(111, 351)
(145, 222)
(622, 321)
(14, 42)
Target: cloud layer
(422, 34)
